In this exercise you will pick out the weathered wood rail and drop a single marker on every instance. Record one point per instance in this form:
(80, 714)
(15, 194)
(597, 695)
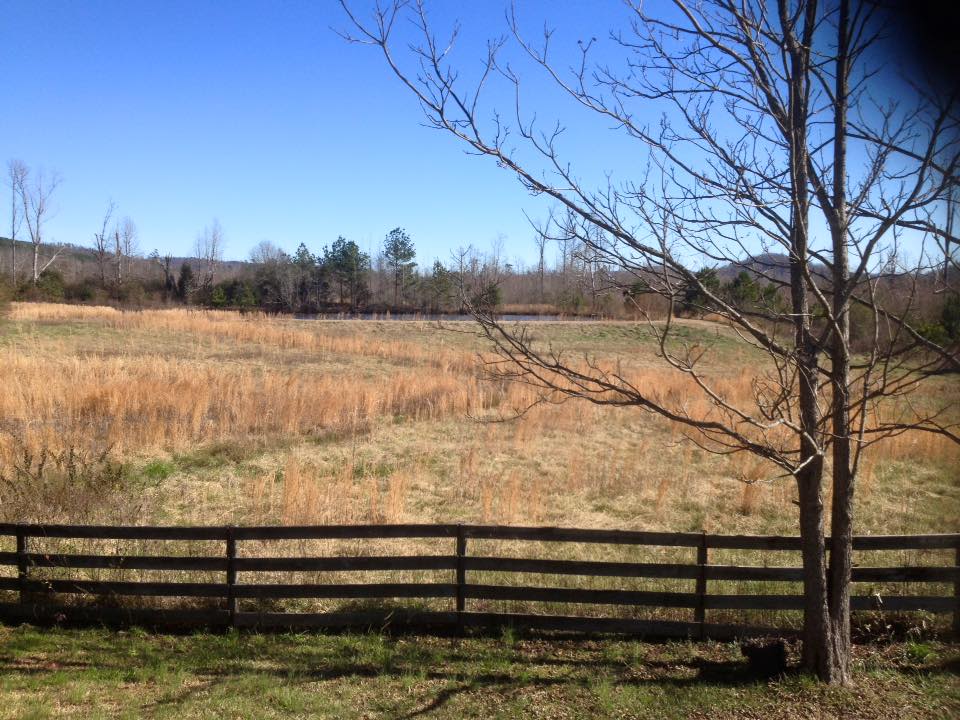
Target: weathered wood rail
(40, 599)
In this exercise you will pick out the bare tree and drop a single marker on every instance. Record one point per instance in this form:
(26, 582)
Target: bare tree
(124, 248)
(496, 254)
(165, 263)
(266, 252)
(35, 201)
(17, 177)
(209, 250)
(541, 242)
(101, 244)
(769, 136)
(949, 246)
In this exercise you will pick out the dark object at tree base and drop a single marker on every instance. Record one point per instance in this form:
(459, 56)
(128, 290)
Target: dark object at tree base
(766, 657)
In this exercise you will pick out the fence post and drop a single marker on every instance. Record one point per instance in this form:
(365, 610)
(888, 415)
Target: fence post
(461, 575)
(231, 575)
(22, 566)
(699, 613)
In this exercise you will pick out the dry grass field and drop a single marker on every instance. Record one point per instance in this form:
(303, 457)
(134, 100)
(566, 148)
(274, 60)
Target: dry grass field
(218, 418)
(226, 418)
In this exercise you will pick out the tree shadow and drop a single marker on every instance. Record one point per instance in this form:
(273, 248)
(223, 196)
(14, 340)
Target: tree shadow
(452, 667)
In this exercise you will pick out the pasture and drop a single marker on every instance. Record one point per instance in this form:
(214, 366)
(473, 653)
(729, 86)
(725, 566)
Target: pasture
(173, 417)
(188, 417)
(220, 418)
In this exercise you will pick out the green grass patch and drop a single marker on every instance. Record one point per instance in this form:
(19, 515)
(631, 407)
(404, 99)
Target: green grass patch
(96, 673)
(217, 455)
(159, 470)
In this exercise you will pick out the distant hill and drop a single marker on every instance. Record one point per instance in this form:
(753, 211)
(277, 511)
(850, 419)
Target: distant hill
(770, 265)
(76, 262)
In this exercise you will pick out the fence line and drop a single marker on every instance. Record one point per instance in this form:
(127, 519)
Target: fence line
(36, 597)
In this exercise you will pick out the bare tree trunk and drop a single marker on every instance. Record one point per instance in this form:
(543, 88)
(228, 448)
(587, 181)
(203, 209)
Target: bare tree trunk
(118, 258)
(36, 207)
(818, 653)
(541, 247)
(841, 541)
(17, 173)
(13, 236)
(817, 648)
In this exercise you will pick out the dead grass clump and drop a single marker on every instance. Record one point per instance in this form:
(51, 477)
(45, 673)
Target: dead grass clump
(925, 446)
(751, 471)
(750, 498)
(70, 485)
(136, 403)
(256, 328)
(56, 311)
(663, 487)
(398, 486)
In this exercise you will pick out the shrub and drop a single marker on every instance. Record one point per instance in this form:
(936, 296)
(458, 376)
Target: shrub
(571, 301)
(218, 297)
(67, 486)
(48, 288)
(131, 292)
(488, 298)
(934, 332)
(950, 316)
(6, 295)
(83, 291)
(693, 300)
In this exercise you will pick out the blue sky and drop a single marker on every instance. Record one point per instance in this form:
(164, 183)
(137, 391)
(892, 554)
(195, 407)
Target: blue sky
(255, 113)
(258, 114)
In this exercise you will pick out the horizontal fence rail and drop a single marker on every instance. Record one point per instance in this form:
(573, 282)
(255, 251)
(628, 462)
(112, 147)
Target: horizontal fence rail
(45, 599)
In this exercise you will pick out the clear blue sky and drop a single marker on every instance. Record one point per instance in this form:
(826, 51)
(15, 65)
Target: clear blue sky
(255, 113)
(258, 114)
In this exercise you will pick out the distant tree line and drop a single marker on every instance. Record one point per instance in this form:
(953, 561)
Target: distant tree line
(567, 276)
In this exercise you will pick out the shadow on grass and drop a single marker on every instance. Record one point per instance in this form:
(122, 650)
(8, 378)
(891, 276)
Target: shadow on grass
(441, 668)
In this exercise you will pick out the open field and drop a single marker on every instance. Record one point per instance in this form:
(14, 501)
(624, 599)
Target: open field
(218, 418)
(225, 419)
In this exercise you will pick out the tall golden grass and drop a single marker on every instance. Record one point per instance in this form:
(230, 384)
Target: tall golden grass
(148, 393)
(360, 422)
(149, 402)
(57, 311)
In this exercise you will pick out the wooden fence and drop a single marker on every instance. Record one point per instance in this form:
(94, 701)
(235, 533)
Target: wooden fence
(38, 601)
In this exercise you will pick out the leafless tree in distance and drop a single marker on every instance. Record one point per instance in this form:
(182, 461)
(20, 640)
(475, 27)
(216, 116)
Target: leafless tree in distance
(265, 253)
(35, 201)
(125, 247)
(101, 244)
(209, 250)
(769, 132)
(165, 263)
(17, 177)
(541, 242)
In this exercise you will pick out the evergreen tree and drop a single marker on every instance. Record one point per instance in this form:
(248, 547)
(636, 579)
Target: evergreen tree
(185, 282)
(399, 253)
(693, 299)
(348, 266)
(305, 264)
(439, 286)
